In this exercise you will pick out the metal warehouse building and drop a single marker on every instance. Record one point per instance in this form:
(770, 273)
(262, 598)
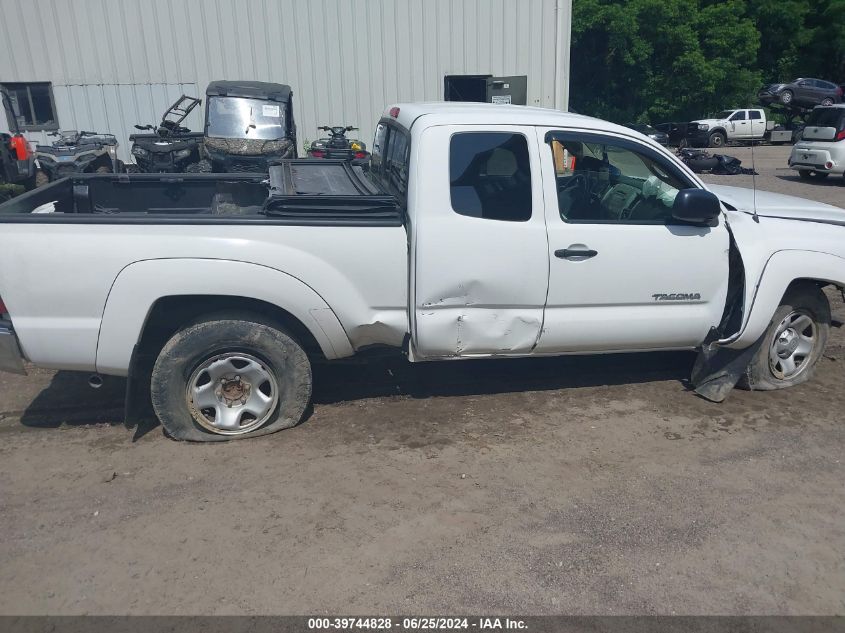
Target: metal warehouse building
(105, 65)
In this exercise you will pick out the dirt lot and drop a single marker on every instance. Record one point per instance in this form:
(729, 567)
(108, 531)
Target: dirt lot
(580, 485)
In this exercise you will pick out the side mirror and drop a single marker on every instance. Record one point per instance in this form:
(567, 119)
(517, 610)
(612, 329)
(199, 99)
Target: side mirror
(696, 206)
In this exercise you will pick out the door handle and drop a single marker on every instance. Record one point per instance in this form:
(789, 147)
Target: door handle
(575, 253)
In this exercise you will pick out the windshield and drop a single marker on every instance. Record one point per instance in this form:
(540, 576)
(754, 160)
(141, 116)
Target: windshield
(236, 117)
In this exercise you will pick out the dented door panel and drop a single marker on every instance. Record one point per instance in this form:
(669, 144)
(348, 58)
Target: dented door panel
(479, 284)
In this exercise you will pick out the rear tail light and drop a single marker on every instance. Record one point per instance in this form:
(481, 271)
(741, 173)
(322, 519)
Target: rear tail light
(3, 309)
(840, 136)
(360, 154)
(20, 146)
(828, 165)
(316, 153)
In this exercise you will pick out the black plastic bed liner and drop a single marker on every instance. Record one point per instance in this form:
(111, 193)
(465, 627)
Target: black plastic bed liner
(328, 192)
(313, 192)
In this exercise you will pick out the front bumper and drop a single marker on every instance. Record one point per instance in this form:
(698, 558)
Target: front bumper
(698, 138)
(11, 359)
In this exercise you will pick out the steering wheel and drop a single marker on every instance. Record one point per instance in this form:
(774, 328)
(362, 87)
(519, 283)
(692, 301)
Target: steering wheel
(576, 180)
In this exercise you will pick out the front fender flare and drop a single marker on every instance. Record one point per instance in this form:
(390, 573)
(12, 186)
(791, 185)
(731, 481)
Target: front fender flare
(782, 269)
(139, 285)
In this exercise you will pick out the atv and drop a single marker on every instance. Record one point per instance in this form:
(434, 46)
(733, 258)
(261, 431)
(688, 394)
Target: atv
(336, 145)
(247, 125)
(76, 152)
(17, 162)
(170, 147)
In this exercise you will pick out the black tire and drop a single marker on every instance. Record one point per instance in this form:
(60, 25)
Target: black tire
(41, 178)
(194, 347)
(103, 169)
(805, 174)
(717, 139)
(786, 97)
(763, 374)
(827, 102)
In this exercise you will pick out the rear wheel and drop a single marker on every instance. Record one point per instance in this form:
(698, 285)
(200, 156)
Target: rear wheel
(229, 379)
(793, 343)
(41, 178)
(827, 102)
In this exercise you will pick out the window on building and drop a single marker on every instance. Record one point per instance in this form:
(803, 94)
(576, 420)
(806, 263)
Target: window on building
(32, 105)
(490, 176)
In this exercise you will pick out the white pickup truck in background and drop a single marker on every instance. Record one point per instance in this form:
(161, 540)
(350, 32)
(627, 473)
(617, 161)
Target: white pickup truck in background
(478, 232)
(730, 125)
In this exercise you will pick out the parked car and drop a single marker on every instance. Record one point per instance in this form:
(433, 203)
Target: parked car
(76, 152)
(806, 92)
(729, 125)
(479, 231)
(821, 151)
(248, 124)
(654, 135)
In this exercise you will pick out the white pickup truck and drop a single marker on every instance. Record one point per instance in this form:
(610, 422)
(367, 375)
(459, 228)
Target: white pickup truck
(478, 232)
(730, 125)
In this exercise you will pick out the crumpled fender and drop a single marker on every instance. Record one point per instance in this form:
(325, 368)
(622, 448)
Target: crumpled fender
(139, 285)
(781, 269)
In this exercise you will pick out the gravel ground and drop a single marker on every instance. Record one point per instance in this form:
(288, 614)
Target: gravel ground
(575, 485)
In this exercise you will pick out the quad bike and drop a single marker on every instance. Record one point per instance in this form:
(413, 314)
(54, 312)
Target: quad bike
(248, 124)
(337, 145)
(76, 152)
(170, 147)
(17, 162)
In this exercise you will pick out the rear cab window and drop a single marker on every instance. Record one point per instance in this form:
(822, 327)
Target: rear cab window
(490, 176)
(390, 159)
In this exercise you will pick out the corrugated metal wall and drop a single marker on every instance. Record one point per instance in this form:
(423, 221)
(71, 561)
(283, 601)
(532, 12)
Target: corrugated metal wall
(114, 63)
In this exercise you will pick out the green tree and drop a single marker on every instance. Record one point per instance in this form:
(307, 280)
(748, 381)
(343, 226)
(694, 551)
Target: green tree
(655, 60)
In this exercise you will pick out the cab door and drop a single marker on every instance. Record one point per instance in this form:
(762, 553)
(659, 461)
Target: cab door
(479, 263)
(623, 275)
(740, 125)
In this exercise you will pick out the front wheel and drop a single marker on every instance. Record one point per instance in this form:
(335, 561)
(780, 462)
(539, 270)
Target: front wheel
(786, 97)
(717, 139)
(229, 379)
(793, 343)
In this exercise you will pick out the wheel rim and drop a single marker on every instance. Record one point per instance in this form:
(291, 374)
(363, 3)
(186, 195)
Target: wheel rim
(827, 102)
(232, 393)
(793, 344)
(787, 97)
(716, 140)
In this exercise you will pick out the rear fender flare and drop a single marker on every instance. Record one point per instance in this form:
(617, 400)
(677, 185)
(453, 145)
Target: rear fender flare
(139, 285)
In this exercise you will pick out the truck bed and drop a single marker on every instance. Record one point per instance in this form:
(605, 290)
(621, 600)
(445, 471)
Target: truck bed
(297, 192)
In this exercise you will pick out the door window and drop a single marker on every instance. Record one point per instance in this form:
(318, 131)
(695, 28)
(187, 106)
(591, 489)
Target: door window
(603, 181)
(490, 176)
(754, 115)
(738, 116)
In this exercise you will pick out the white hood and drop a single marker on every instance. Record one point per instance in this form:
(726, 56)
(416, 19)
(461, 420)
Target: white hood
(777, 205)
(711, 122)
